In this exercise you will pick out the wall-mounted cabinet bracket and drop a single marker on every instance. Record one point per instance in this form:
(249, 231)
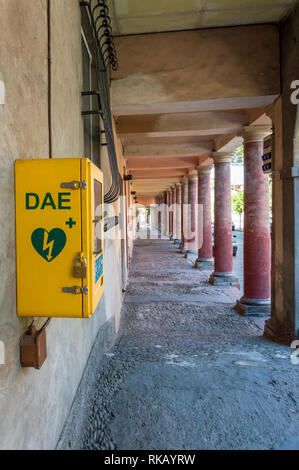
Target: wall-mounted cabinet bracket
(92, 111)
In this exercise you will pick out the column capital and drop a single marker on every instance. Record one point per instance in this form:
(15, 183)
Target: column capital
(173, 188)
(204, 169)
(178, 185)
(184, 181)
(222, 157)
(255, 133)
(192, 176)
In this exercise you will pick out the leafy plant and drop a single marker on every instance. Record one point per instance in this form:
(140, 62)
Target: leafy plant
(238, 156)
(238, 203)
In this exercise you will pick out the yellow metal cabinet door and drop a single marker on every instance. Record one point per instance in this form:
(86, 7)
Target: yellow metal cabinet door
(97, 267)
(48, 237)
(93, 234)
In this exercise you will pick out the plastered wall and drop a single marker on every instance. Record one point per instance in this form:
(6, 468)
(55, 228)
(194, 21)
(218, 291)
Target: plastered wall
(34, 404)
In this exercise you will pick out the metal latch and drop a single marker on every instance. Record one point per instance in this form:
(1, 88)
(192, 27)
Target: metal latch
(74, 185)
(76, 290)
(80, 269)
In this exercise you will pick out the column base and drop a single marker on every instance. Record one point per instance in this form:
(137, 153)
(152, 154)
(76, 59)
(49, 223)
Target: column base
(277, 332)
(204, 264)
(189, 252)
(224, 280)
(253, 307)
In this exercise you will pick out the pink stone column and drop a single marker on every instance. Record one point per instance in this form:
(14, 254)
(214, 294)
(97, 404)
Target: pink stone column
(192, 228)
(169, 203)
(164, 216)
(223, 238)
(178, 212)
(257, 242)
(173, 212)
(159, 217)
(184, 211)
(205, 252)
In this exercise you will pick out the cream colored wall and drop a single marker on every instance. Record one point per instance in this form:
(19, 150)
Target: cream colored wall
(66, 74)
(34, 404)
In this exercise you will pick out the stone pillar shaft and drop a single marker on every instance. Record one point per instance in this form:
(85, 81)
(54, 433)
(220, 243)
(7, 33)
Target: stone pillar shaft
(173, 213)
(178, 211)
(205, 253)
(257, 243)
(223, 239)
(192, 228)
(159, 219)
(184, 211)
(170, 218)
(165, 229)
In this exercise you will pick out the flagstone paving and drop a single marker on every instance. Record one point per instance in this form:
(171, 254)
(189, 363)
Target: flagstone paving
(187, 372)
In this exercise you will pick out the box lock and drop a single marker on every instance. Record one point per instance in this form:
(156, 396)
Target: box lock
(80, 269)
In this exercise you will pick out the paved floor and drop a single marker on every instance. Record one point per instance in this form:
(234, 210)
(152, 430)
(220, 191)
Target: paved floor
(187, 372)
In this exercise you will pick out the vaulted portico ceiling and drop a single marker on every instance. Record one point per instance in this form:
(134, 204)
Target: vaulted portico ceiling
(181, 124)
(170, 149)
(161, 163)
(178, 96)
(152, 187)
(149, 16)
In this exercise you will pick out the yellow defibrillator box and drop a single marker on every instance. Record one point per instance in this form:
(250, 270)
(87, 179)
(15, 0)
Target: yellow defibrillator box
(59, 237)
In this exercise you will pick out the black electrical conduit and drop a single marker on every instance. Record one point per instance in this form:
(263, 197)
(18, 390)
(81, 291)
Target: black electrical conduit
(105, 58)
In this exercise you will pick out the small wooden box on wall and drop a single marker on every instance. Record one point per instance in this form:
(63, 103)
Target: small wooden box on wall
(33, 348)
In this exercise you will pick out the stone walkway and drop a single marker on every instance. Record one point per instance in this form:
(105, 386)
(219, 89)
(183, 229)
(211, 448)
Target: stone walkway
(187, 372)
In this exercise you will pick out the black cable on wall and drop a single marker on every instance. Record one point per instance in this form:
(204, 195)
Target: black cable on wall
(105, 60)
(49, 79)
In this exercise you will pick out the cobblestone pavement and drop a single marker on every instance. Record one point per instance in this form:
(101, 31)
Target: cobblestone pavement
(187, 372)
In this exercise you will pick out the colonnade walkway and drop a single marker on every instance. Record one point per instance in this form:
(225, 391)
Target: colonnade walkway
(187, 372)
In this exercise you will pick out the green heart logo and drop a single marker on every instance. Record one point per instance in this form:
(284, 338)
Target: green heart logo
(48, 244)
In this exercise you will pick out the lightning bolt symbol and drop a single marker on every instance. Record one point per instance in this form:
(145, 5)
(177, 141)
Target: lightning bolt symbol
(47, 246)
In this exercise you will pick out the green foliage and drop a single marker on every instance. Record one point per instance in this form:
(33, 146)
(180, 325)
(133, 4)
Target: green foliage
(238, 156)
(238, 202)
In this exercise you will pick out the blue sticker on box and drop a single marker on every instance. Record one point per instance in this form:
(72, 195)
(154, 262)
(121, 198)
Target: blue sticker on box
(99, 267)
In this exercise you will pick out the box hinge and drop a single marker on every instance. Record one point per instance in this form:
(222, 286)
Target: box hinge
(74, 185)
